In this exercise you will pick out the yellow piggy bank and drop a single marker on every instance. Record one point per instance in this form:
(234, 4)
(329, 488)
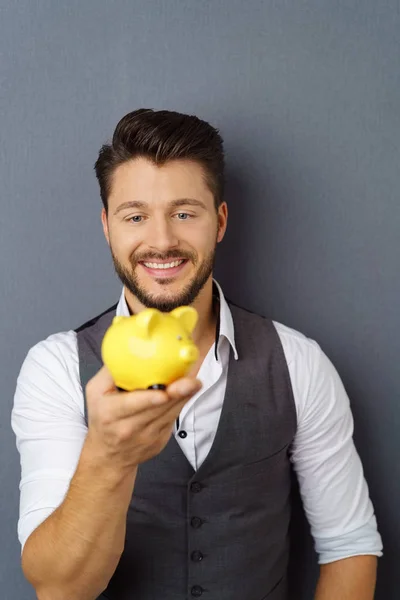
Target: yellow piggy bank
(151, 348)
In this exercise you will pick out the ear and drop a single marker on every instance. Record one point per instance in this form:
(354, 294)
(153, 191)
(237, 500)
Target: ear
(104, 222)
(187, 316)
(222, 221)
(147, 320)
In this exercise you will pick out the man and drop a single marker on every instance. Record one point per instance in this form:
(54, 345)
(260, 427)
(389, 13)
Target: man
(185, 492)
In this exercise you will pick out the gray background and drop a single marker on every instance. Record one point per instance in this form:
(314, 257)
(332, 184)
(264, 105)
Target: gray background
(307, 96)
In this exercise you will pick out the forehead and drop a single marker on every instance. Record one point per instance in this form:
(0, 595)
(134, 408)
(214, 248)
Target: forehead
(142, 180)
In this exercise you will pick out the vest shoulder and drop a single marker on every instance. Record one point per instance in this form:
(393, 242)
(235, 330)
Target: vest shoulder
(246, 313)
(295, 343)
(92, 322)
(283, 330)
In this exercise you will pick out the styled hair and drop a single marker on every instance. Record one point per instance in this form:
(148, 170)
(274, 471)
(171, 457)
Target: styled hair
(162, 136)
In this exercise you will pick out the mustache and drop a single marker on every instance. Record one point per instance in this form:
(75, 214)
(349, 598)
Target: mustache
(170, 255)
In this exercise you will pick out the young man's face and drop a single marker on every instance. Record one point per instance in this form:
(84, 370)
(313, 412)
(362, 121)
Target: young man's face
(163, 217)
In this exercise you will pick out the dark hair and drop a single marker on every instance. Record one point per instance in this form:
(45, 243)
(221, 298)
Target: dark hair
(161, 136)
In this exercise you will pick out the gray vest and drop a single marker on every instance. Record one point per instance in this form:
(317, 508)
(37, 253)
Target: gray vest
(221, 532)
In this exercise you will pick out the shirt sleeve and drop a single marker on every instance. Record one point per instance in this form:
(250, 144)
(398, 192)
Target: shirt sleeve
(49, 425)
(333, 488)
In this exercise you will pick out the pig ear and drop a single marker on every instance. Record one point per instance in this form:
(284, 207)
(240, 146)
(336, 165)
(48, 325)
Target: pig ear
(187, 316)
(147, 320)
(118, 320)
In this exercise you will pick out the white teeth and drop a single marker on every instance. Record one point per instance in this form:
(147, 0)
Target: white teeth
(170, 265)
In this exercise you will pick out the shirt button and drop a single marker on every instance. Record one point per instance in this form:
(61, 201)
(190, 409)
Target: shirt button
(195, 487)
(197, 591)
(196, 522)
(197, 556)
(182, 434)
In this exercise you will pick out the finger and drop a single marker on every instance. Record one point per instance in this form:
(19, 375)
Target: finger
(163, 416)
(172, 413)
(123, 405)
(184, 387)
(166, 414)
(127, 404)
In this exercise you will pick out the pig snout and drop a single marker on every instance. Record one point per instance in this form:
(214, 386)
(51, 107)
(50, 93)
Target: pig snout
(189, 354)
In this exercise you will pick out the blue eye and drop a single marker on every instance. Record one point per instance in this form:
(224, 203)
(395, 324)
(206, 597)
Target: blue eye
(136, 218)
(184, 215)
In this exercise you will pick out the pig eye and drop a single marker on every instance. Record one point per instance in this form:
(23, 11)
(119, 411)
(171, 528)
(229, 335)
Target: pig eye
(179, 337)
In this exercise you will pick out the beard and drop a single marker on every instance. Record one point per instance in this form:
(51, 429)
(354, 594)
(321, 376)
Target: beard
(167, 302)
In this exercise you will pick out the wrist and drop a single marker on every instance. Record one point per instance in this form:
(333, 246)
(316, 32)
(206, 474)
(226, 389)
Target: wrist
(96, 458)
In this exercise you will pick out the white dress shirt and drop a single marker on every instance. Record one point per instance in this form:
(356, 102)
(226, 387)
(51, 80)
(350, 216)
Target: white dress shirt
(49, 424)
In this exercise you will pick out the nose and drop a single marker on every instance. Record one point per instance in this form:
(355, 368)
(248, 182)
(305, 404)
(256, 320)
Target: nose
(189, 354)
(161, 235)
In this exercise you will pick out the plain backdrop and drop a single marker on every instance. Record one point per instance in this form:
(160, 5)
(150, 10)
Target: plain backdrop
(307, 97)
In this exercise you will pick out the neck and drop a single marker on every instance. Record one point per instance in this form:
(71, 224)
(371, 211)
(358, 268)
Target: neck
(205, 328)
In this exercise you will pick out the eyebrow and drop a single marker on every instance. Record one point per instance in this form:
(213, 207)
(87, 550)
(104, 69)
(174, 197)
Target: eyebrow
(174, 204)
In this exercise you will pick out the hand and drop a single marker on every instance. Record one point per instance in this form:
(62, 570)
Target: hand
(128, 428)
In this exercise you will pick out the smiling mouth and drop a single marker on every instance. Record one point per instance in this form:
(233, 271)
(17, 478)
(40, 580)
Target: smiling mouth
(163, 265)
(164, 268)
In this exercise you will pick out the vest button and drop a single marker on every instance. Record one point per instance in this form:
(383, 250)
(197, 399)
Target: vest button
(195, 487)
(182, 434)
(196, 522)
(197, 556)
(197, 591)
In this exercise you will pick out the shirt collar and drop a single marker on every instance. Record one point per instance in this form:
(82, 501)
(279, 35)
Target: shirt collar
(225, 321)
(226, 326)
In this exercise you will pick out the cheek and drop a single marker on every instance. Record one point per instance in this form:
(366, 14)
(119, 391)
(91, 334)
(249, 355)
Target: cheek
(204, 237)
(123, 244)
